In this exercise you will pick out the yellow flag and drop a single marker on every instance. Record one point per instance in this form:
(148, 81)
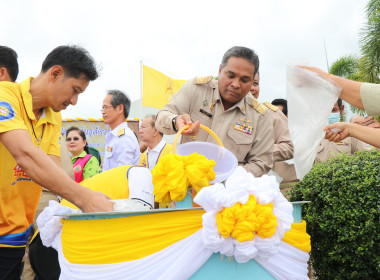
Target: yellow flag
(158, 89)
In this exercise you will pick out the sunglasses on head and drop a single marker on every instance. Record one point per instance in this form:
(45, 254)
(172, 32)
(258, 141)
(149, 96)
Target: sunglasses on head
(68, 139)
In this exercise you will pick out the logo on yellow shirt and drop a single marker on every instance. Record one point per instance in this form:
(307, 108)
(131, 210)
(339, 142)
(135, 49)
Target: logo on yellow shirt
(6, 111)
(20, 175)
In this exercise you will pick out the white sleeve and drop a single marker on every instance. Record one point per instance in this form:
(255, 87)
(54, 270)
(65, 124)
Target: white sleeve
(140, 185)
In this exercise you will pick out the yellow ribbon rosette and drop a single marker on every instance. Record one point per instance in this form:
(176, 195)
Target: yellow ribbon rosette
(173, 174)
(243, 221)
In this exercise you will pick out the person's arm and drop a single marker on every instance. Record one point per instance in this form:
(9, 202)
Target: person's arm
(350, 89)
(283, 146)
(260, 159)
(140, 185)
(91, 168)
(55, 159)
(366, 134)
(42, 170)
(178, 109)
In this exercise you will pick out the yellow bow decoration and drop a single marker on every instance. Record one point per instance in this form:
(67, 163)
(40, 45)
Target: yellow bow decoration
(243, 221)
(174, 173)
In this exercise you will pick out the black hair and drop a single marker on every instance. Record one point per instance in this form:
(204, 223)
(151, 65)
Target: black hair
(8, 60)
(283, 102)
(82, 134)
(120, 98)
(340, 104)
(242, 52)
(74, 60)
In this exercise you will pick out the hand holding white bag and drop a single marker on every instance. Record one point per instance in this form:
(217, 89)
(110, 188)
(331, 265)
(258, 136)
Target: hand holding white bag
(310, 100)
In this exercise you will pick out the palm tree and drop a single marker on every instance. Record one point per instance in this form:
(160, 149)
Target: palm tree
(347, 67)
(367, 67)
(370, 44)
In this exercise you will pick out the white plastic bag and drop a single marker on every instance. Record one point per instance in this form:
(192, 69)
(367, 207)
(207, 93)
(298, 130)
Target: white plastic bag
(310, 100)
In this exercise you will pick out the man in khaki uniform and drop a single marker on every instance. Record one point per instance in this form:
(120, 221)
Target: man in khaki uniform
(349, 146)
(242, 123)
(283, 146)
(328, 149)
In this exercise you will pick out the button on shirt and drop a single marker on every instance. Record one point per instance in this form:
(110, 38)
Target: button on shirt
(121, 148)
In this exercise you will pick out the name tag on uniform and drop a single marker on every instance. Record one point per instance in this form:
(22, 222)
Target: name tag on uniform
(247, 129)
(109, 149)
(343, 143)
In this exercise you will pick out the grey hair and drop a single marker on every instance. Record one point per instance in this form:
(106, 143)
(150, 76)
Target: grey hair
(242, 52)
(120, 98)
(153, 123)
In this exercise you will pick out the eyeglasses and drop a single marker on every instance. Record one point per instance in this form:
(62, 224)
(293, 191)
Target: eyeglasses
(105, 108)
(68, 139)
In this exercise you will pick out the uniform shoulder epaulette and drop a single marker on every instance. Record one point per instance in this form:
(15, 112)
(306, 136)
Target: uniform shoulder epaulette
(120, 132)
(270, 106)
(203, 80)
(258, 106)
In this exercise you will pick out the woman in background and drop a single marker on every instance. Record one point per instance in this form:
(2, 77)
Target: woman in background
(85, 165)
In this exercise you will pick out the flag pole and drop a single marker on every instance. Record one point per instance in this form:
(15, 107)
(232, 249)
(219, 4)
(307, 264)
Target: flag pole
(141, 89)
(327, 62)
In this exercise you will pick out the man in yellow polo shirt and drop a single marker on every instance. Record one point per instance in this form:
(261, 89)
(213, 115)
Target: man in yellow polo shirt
(30, 125)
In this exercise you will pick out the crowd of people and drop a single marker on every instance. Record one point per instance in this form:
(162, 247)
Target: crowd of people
(30, 126)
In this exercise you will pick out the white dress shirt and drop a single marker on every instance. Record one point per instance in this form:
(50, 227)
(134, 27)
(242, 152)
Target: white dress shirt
(154, 154)
(121, 150)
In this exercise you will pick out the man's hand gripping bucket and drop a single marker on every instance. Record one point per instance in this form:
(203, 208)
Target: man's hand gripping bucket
(225, 161)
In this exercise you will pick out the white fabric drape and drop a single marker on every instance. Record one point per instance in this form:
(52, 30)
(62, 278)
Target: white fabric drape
(183, 258)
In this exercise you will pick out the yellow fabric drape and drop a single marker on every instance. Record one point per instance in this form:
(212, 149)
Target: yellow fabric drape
(131, 238)
(118, 240)
(113, 182)
(298, 237)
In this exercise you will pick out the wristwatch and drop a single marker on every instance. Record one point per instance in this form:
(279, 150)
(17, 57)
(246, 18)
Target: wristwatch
(174, 124)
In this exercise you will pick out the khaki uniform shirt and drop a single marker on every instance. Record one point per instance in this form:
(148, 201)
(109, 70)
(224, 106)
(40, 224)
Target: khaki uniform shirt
(283, 145)
(328, 149)
(370, 94)
(286, 171)
(200, 98)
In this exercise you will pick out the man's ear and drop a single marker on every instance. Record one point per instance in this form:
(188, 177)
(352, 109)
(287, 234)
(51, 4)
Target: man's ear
(120, 109)
(4, 74)
(55, 72)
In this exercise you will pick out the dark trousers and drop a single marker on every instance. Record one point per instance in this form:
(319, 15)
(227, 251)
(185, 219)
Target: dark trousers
(11, 263)
(44, 260)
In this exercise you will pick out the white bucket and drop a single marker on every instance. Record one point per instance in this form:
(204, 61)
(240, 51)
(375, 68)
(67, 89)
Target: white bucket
(225, 161)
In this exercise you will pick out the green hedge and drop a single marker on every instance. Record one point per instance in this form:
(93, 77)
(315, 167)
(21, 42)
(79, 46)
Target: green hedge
(343, 216)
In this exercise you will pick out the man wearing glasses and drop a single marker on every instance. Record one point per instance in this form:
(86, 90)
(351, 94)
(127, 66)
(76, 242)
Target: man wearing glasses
(122, 147)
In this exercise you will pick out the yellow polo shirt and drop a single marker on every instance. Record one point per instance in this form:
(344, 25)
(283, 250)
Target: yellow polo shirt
(19, 195)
